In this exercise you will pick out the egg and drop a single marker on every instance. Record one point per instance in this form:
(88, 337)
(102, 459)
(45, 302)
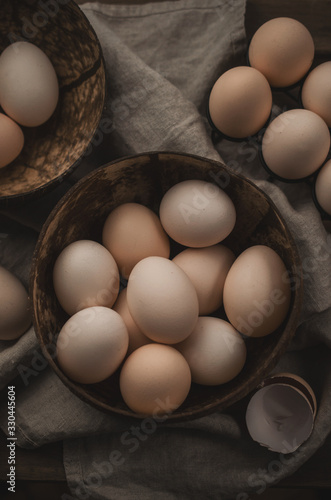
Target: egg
(215, 351)
(162, 300)
(132, 232)
(85, 274)
(282, 49)
(92, 344)
(136, 337)
(29, 89)
(11, 140)
(281, 413)
(155, 380)
(257, 293)
(295, 144)
(15, 313)
(240, 102)
(207, 269)
(316, 91)
(323, 187)
(197, 214)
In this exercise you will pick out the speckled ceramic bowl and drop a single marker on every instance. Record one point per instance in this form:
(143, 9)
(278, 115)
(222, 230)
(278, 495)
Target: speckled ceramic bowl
(144, 179)
(53, 149)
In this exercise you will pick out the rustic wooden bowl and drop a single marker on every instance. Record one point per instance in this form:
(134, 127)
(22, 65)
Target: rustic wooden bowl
(144, 178)
(53, 149)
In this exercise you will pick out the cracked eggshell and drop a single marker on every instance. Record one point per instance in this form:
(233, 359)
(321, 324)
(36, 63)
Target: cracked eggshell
(281, 414)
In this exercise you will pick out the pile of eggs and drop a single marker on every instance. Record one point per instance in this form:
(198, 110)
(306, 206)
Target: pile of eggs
(295, 145)
(164, 329)
(29, 94)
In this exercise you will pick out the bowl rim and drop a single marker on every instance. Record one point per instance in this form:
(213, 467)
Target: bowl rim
(19, 198)
(179, 415)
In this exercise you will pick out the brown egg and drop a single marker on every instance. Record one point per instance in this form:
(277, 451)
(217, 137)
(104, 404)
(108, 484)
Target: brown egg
(207, 269)
(136, 336)
(11, 140)
(15, 314)
(316, 91)
(215, 351)
(257, 292)
(85, 275)
(240, 102)
(323, 187)
(155, 380)
(295, 144)
(131, 233)
(283, 50)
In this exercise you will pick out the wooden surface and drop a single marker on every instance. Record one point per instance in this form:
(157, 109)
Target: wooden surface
(45, 463)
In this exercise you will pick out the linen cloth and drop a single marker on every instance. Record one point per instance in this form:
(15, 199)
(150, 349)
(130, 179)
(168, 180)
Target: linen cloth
(161, 61)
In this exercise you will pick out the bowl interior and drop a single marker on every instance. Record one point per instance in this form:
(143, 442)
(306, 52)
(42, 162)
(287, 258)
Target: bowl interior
(52, 149)
(144, 179)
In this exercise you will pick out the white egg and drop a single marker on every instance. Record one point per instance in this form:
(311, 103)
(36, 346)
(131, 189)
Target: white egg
(85, 274)
(92, 344)
(197, 214)
(215, 351)
(29, 89)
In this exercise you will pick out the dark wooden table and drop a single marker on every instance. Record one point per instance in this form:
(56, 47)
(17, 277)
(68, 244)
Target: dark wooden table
(45, 464)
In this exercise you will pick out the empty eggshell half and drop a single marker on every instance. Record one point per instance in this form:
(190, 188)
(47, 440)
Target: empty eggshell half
(207, 269)
(215, 351)
(280, 415)
(197, 214)
(283, 50)
(132, 232)
(240, 102)
(92, 344)
(162, 300)
(295, 144)
(323, 187)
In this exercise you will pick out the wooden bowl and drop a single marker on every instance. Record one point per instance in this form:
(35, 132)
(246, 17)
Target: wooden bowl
(53, 149)
(144, 178)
